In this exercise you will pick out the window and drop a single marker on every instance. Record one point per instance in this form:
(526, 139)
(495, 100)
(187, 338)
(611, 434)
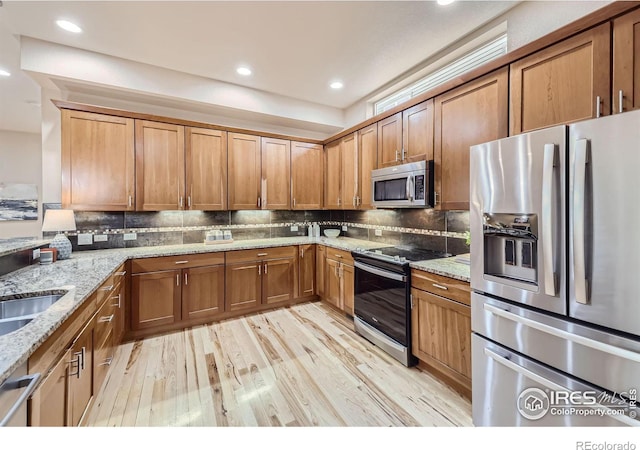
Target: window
(471, 60)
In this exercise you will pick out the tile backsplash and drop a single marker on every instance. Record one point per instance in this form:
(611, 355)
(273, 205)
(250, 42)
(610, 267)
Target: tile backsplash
(425, 228)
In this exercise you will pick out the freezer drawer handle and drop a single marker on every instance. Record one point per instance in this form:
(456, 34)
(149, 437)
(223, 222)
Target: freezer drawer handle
(596, 345)
(579, 257)
(19, 383)
(551, 385)
(547, 214)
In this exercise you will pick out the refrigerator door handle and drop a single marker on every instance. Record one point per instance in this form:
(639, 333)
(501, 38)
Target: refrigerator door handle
(565, 335)
(579, 180)
(547, 219)
(504, 360)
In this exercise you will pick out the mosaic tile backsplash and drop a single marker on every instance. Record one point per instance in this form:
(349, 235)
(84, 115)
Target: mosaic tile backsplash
(425, 228)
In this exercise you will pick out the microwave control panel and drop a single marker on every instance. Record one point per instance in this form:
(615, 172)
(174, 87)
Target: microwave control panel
(419, 187)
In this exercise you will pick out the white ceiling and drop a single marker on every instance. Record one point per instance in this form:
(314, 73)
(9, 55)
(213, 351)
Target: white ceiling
(294, 48)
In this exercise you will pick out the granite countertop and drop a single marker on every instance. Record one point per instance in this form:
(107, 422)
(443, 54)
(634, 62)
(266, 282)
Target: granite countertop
(85, 271)
(8, 246)
(447, 267)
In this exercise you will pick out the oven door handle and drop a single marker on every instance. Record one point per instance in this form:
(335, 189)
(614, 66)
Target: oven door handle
(380, 272)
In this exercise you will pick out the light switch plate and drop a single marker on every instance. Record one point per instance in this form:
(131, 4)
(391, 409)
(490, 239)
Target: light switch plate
(36, 254)
(100, 238)
(344, 228)
(378, 232)
(130, 236)
(85, 239)
(294, 227)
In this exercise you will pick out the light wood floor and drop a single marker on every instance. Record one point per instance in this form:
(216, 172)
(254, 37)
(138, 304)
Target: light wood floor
(298, 366)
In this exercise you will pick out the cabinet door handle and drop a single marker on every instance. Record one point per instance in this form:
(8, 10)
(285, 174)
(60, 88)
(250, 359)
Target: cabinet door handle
(402, 153)
(76, 362)
(620, 101)
(337, 275)
(439, 286)
(130, 201)
(259, 202)
(177, 279)
(338, 201)
(189, 201)
(105, 319)
(301, 253)
(265, 268)
(259, 269)
(598, 106)
(186, 278)
(397, 155)
(182, 262)
(294, 202)
(119, 298)
(435, 198)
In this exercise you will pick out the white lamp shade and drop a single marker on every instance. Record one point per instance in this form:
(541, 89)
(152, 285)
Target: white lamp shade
(59, 220)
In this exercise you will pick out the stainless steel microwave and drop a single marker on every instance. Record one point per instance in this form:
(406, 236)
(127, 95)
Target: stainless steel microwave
(404, 186)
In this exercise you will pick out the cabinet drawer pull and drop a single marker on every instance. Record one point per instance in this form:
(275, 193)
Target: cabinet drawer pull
(262, 254)
(119, 298)
(105, 319)
(107, 288)
(107, 362)
(182, 262)
(439, 286)
(338, 256)
(121, 274)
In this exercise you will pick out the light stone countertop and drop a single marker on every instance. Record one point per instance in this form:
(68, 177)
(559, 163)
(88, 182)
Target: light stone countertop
(8, 246)
(85, 271)
(447, 267)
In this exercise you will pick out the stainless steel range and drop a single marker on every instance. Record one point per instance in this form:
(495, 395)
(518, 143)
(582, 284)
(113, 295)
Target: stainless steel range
(382, 297)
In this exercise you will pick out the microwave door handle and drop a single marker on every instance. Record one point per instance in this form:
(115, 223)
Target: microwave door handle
(410, 188)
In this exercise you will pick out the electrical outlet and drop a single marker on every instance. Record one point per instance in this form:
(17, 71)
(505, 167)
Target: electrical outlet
(344, 228)
(85, 239)
(294, 227)
(100, 238)
(378, 232)
(130, 236)
(36, 254)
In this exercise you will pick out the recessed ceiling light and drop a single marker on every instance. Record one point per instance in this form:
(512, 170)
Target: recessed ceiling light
(4, 73)
(243, 71)
(66, 25)
(336, 85)
(445, 2)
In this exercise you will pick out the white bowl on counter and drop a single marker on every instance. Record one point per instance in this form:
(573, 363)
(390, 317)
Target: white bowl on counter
(331, 233)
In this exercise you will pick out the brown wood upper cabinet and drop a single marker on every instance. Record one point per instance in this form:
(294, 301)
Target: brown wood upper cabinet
(390, 141)
(566, 82)
(244, 171)
(367, 161)
(417, 132)
(333, 175)
(276, 174)
(307, 175)
(159, 166)
(471, 114)
(626, 62)
(98, 162)
(206, 169)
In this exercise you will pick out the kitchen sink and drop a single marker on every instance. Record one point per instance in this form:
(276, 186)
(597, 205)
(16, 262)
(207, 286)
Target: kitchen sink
(15, 313)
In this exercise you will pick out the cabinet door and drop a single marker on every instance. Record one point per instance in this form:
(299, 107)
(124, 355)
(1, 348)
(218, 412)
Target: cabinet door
(279, 280)
(206, 169)
(349, 176)
(441, 333)
(307, 175)
(321, 256)
(243, 285)
(333, 176)
(159, 166)
(307, 270)
(562, 83)
(202, 292)
(155, 299)
(390, 141)
(276, 173)
(367, 161)
(417, 132)
(80, 376)
(333, 293)
(244, 171)
(118, 300)
(474, 113)
(98, 162)
(48, 403)
(347, 287)
(626, 62)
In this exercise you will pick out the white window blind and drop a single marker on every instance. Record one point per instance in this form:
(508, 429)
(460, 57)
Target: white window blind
(471, 60)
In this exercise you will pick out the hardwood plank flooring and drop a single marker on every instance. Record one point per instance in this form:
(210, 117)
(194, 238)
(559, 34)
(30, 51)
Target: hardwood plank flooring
(297, 366)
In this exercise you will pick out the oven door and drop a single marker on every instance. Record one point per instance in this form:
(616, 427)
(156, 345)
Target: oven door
(381, 298)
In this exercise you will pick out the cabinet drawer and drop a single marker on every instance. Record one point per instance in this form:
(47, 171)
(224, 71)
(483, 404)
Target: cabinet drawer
(110, 286)
(105, 321)
(144, 265)
(339, 255)
(261, 253)
(457, 290)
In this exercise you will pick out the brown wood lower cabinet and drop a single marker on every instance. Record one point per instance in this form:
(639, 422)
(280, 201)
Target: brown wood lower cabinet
(202, 292)
(80, 376)
(244, 285)
(321, 256)
(339, 281)
(441, 337)
(307, 271)
(48, 403)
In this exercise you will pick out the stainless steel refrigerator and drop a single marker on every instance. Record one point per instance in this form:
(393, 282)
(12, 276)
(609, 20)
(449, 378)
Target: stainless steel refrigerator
(555, 274)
